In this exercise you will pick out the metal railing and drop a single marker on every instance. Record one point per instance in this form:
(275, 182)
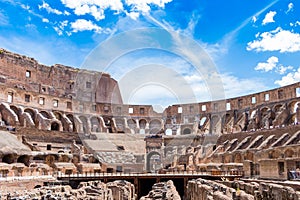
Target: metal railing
(236, 173)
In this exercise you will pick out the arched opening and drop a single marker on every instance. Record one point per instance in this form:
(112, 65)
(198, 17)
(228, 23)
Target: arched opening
(186, 131)
(214, 122)
(131, 123)
(84, 124)
(293, 107)
(54, 126)
(277, 108)
(142, 123)
(227, 126)
(289, 153)
(249, 156)
(155, 126)
(65, 124)
(31, 113)
(238, 158)
(71, 118)
(16, 110)
(24, 159)
(108, 123)
(264, 111)
(274, 154)
(202, 122)
(153, 161)
(50, 160)
(9, 158)
(58, 115)
(120, 123)
(45, 114)
(95, 123)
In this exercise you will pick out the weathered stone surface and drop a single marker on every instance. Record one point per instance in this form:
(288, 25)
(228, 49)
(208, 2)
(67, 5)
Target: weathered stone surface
(163, 190)
(93, 190)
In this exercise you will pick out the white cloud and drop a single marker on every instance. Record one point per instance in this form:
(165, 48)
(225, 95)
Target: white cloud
(276, 40)
(290, 7)
(254, 19)
(282, 69)
(97, 8)
(61, 27)
(58, 31)
(144, 5)
(290, 78)
(297, 23)
(235, 86)
(25, 7)
(67, 13)
(267, 66)
(94, 8)
(45, 20)
(49, 9)
(133, 15)
(272, 64)
(87, 25)
(269, 18)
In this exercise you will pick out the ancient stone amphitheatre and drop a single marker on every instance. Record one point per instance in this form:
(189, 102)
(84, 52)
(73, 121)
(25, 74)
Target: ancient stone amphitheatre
(66, 134)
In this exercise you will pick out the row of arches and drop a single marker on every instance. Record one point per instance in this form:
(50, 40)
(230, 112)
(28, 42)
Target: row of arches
(264, 117)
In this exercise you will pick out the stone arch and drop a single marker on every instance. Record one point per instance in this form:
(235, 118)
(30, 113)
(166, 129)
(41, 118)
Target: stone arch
(71, 118)
(120, 125)
(109, 124)
(8, 158)
(203, 121)
(95, 124)
(186, 131)
(31, 113)
(288, 153)
(294, 111)
(50, 160)
(45, 114)
(248, 156)
(152, 163)
(142, 123)
(59, 117)
(16, 110)
(55, 126)
(155, 126)
(238, 158)
(8, 116)
(131, 124)
(25, 159)
(214, 122)
(228, 158)
(277, 107)
(227, 127)
(275, 153)
(84, 121)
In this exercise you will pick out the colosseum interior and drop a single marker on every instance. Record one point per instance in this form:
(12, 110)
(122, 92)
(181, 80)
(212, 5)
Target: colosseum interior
(62, 120)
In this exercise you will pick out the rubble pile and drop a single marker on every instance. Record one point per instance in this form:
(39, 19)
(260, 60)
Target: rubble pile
(163, 190)
(238, 190)
(92, 190)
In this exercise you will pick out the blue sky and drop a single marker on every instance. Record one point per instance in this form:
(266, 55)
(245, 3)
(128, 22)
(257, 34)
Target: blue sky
(254, 44)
